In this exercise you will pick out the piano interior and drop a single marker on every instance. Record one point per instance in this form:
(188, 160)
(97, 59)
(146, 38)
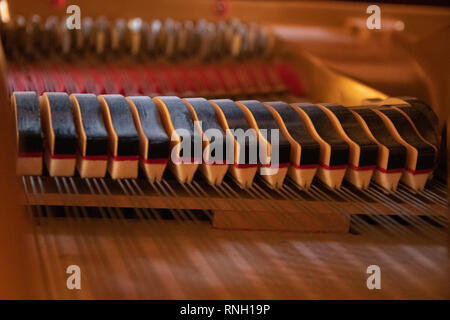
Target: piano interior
(223, 149)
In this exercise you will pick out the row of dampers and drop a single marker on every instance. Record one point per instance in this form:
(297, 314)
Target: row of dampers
(114, 133)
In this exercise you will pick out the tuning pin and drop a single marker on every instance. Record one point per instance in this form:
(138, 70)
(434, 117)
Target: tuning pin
(50, 41)
(158, 36)
(32, 37)
(236, 43)
(20, 34)
(220, 41)
(145, 38)
(252, 38)
(170, 33)
(206, 33)
(102, 36)
(186, 38)
(67, 39)
(200, 29)
(118, 35)
(266, 42)
(85, 42)
(148, 40)
(134, 35)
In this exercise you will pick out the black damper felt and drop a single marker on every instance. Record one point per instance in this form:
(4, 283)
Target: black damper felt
(425, 109)
(236, 120)
(397, 152)
(122, 121)
(208, 117)
(93, 125)
(158, 142)
(324, 127)
(368, 149)
(426, 153)
(181, 119)
(264, 120)
(422, 124)
(28, 122)
(62, 123)
(310, 148)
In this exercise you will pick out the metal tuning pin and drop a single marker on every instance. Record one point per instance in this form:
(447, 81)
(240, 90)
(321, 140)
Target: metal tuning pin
(134, 36)
(170, 36)
(102, 36)
(32, 37)
(156, 38)
(186, 39)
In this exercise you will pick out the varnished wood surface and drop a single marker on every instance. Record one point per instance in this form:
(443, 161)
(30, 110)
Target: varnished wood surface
(17, 268)
(257, 208)
(185, 259)
(149, 255)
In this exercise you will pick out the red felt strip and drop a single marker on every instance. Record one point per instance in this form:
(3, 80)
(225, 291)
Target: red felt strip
(306, 166)
(245, 165)
(126, 158)
(361, 168)
(30, 155)
(390, 171)
(323, 165)
(95, 158)
(63, 156)
(272, 165)
(419, 171)
(155, 161)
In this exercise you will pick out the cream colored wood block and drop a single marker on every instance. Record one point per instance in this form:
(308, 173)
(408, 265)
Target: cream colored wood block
(183, 171)
(274, 176)
(88, 168)
(153, 171)
(359, 178)
(29, 166)
(214, 173)
(415, 181)
(332, 178)
(60, 167)
(388, 181)
(244, 176)
(302, 177)
(123, 169)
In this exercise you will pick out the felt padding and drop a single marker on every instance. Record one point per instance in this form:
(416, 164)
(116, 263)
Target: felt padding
(58, 123)
(28, 122)
(392, 154)
(334, 149)
(232, 117)
(154, 141)
(419, 105)
(420, 123)
(305, 150)
(363, 151)
(175, 116)
(88, 117)
(202, 110)
(260, 117)
(404, 132)
(123, 136)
